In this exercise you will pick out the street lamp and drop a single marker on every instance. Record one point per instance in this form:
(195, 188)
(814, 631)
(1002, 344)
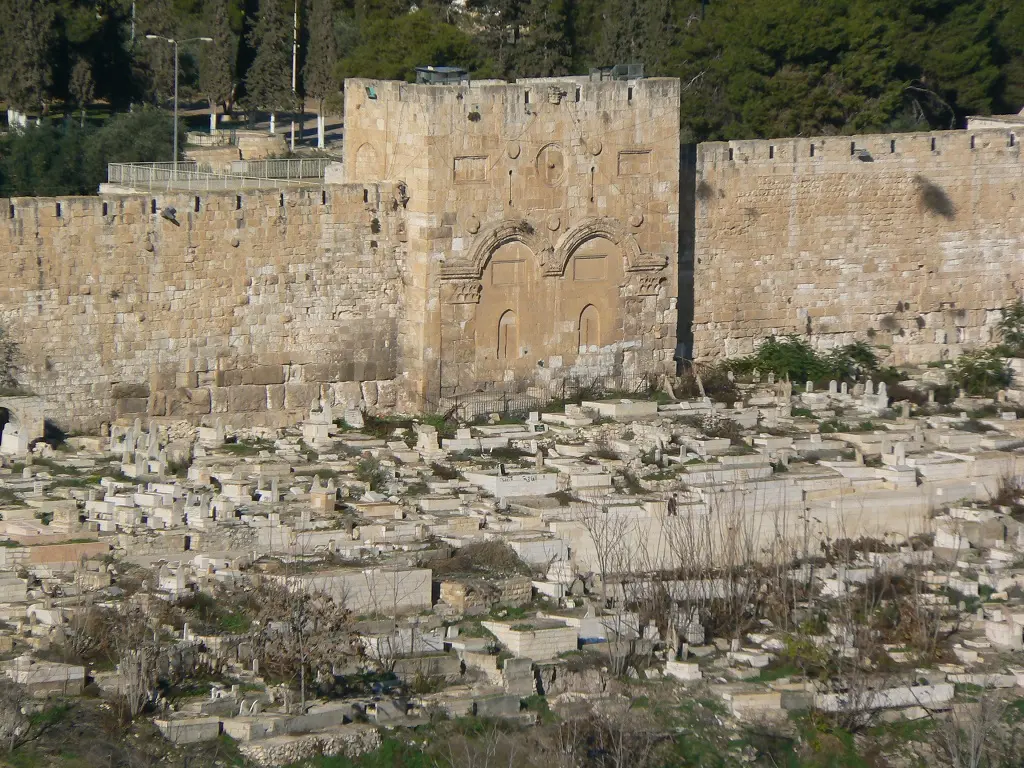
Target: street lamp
(175, 43)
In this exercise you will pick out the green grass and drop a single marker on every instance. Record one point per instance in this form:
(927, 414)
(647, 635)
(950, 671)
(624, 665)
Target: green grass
(234, 623)
(389, 754)
(772, 673)
(248, 448)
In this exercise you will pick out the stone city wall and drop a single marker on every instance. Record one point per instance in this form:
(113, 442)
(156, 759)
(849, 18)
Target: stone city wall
(543, 224)
(246, 305)
(911, 241)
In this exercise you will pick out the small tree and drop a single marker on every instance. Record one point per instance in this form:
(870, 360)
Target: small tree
(81, 86)
(135, 647)
(14, 723)
(299, 632)
(321, 57)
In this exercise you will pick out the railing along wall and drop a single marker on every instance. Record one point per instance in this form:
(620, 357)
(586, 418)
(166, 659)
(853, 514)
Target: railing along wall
(186, 177)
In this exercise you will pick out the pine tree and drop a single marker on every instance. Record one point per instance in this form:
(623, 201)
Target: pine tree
(81, 86)
(217, 61)
(547, 45)
(321, 56)
(268, 82)
(502, 22)
(25, 41)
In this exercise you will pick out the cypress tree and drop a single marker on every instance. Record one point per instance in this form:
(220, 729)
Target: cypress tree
(268, 82)
(321, 56)
(217, 60)
(154, 62)
(25, 41)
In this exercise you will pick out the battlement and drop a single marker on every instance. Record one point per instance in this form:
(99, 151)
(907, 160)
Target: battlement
(189, 207)
(982, 145)
(909, 241)
(530, 93)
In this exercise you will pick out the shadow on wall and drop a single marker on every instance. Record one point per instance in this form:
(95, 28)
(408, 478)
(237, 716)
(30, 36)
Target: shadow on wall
(934, 199)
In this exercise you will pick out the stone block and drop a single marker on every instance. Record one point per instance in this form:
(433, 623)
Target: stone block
(275, 397)
(369, 393)
(186, 403)
(300, 396)
(497, 706)
(387, 394)
(264, 374)
(327, 372)
(242, 399)
(129, 391)
(346, 393)
(131, 406)
(191, 730)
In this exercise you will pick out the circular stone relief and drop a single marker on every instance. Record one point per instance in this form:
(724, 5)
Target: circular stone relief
(553, 223)
(513, 149)
(594, 146)
(551, 164)
(636, 219)
(472, 225)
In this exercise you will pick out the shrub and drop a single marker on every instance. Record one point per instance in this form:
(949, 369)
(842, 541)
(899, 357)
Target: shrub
(370, 471)
(851, 361)
(715, 379)
(1011, 328)
(790, 357)
(794, 358)
(981, 372)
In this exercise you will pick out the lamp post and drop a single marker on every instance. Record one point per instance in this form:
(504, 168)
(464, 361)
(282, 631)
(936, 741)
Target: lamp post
(175, 43)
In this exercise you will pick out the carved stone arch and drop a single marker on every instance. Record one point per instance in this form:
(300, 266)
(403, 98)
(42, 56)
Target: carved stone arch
(609, 229)
(366, 163)
(491, 239)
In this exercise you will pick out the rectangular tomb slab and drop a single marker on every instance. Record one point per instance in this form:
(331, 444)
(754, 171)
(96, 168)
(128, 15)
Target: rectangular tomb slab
(518, 484)
(622, 409)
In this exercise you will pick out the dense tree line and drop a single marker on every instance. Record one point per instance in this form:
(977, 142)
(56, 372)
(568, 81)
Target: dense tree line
(749, 68)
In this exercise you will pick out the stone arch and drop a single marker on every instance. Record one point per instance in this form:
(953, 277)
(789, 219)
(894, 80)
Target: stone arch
(24, 423)
(367, 166)
(491, 239)
(589, 327)
(608, 229)
(508, 336)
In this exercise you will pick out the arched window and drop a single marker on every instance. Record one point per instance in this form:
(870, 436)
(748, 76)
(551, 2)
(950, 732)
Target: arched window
(590, 327)
(508, 338)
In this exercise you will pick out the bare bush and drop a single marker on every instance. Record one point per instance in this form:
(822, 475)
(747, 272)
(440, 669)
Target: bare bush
(298, 633)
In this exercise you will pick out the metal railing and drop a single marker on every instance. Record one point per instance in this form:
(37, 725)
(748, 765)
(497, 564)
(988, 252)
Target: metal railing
(222, 138)
(188, 176)
(289, 168)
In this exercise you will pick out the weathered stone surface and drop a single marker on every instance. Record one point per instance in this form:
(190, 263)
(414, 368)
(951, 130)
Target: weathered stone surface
(908, 240)
(247, 398)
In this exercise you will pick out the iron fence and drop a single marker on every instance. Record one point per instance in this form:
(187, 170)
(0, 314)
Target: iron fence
(221, 138)
(188, 176)
(285, 168)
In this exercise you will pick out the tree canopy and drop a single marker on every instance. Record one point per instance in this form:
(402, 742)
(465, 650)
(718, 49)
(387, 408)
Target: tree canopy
(748, 68)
